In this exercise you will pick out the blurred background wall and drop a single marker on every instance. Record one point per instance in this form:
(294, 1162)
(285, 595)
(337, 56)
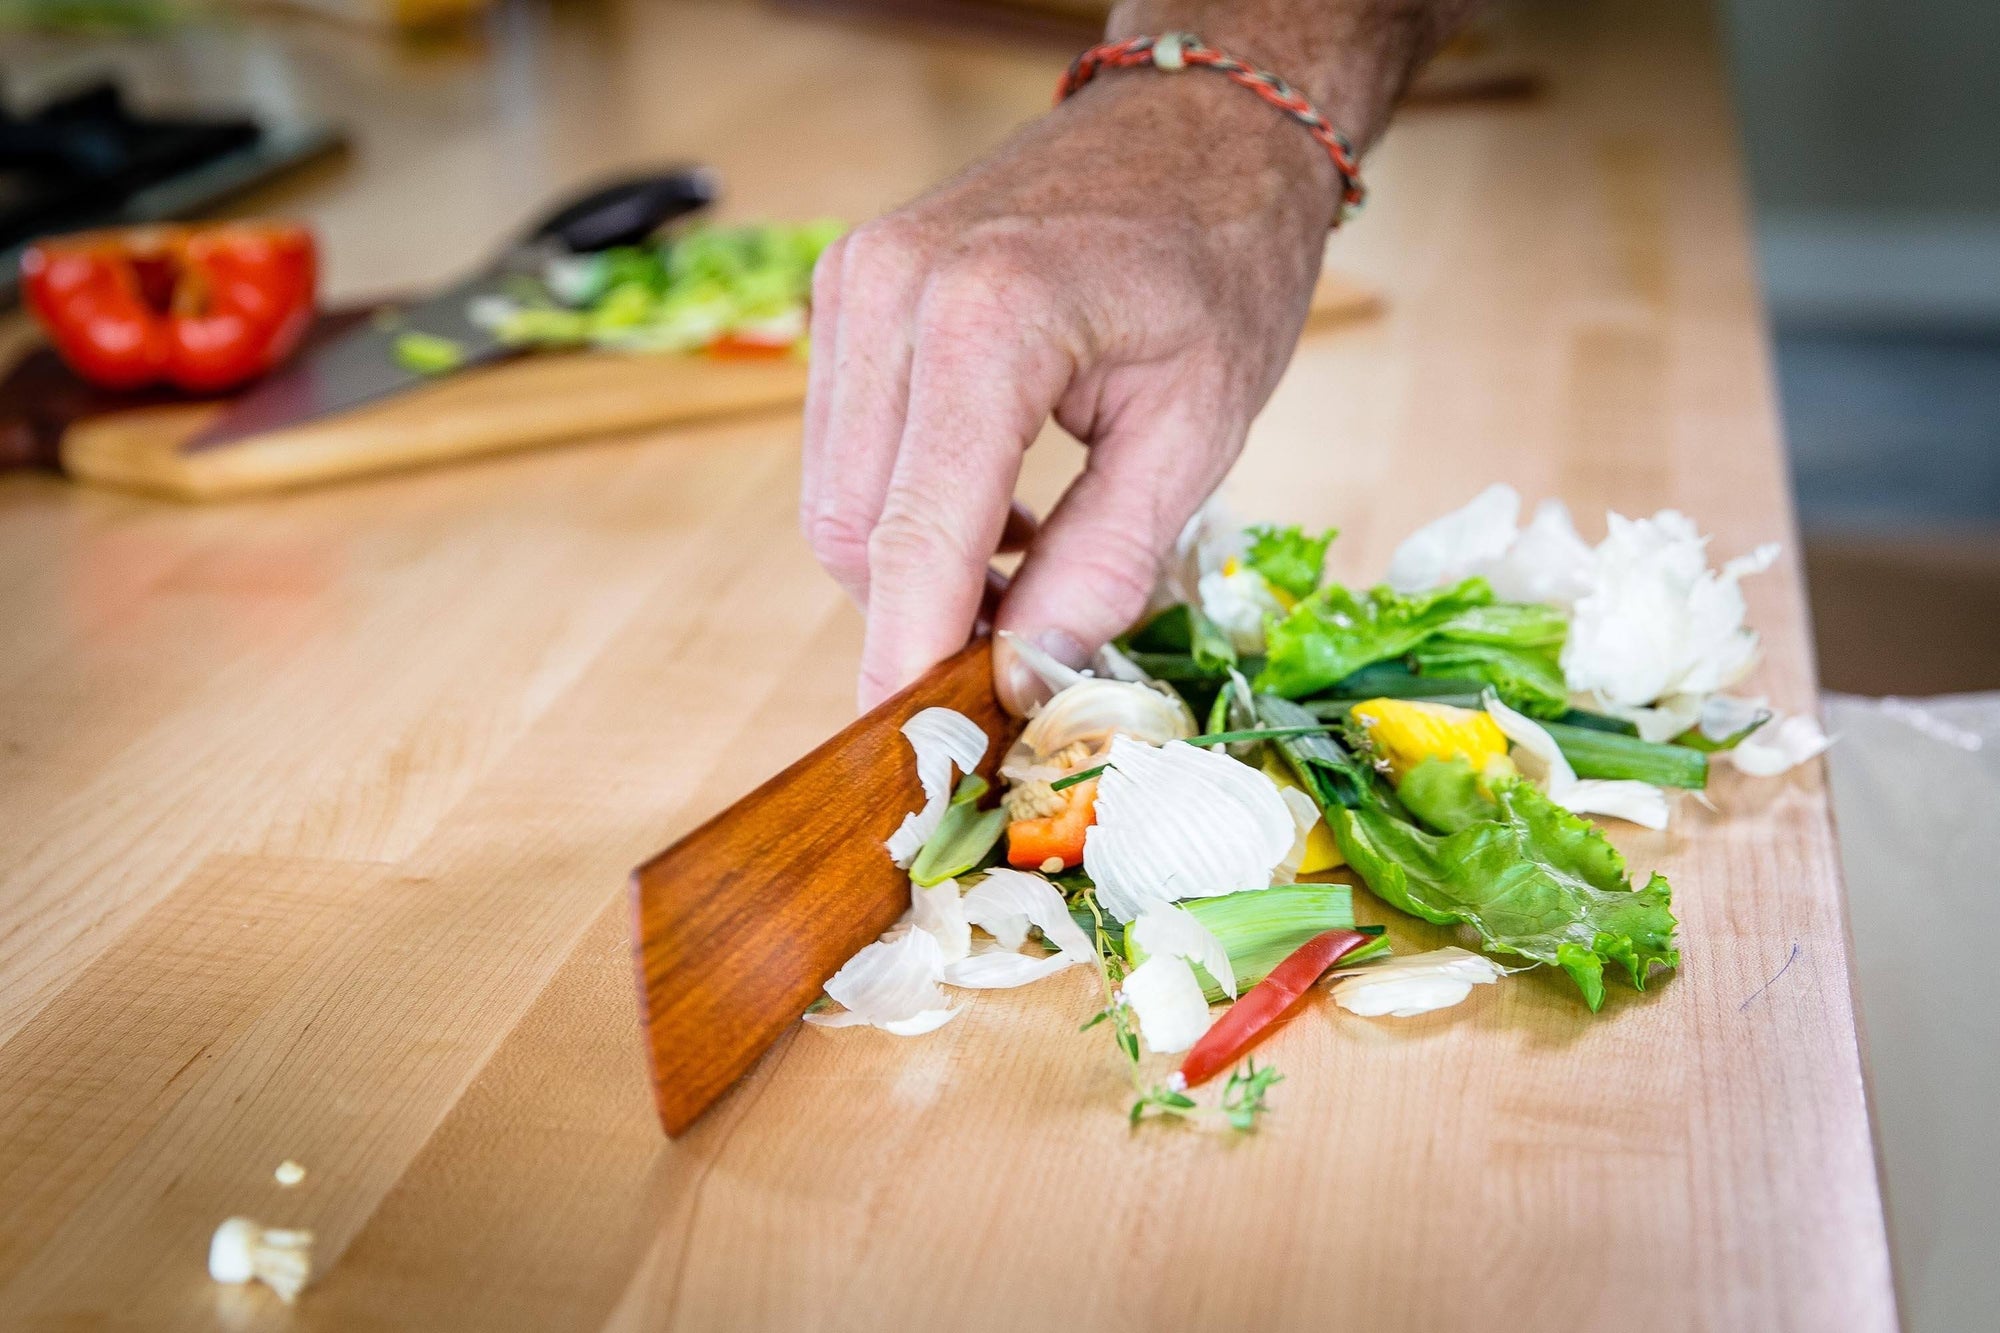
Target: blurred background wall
(1872, 129)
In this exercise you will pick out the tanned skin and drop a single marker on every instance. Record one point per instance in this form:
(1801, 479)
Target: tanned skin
(1137, 263)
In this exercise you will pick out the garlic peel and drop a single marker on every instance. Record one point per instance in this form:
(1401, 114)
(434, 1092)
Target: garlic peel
(1075, 728)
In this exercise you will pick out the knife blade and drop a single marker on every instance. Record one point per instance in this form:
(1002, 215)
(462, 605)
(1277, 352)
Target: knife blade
(362, 367)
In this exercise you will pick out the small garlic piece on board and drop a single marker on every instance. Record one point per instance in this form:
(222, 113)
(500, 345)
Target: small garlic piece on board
(243, 1250)
(289, 1173)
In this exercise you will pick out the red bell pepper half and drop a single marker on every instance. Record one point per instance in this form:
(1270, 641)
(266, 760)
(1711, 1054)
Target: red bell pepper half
(203, 308)
(1266, 1002)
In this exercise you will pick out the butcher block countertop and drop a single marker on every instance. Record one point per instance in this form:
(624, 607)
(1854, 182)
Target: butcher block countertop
(319, 810)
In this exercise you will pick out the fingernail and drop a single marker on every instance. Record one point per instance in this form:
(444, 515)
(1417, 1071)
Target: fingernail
(1020, 687)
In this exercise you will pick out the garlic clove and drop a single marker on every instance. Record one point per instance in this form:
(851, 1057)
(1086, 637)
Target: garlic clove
(243, 1250)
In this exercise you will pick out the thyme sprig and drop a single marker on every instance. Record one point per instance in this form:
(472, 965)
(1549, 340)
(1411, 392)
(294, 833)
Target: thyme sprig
(1243, 1095)
(1212, 738)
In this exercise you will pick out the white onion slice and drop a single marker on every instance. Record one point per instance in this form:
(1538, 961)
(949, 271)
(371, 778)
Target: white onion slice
(1542, 760)
(1055, 675)
(1114, 665)
(1403, 987)
(1660, 722)
(941, 738)
(1003, 969)
(1180, 822)
(891, 984)
(1450, 548)
(1166, 997)
(1238, 603)
(1305, 817)
(1657, 621)
(1175, 931)
(939, 911)
(1724, 715)
(1548, 562)
(1778, 746)
(1088, 714)
(1004, 905)
(1007, 902)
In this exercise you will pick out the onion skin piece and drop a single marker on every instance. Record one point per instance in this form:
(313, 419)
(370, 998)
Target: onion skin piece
(1266, 1002)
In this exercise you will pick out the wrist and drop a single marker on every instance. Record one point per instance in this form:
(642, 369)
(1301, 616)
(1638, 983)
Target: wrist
(1220, 150)
(1350, 58)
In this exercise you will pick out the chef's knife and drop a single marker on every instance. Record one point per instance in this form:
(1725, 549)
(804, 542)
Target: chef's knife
(363, 366)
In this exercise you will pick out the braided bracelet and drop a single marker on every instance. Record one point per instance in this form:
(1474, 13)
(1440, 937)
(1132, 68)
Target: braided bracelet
(1176, 51)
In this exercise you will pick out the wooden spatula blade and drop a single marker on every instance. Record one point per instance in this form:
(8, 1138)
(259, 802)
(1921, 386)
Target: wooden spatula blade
(739, 924)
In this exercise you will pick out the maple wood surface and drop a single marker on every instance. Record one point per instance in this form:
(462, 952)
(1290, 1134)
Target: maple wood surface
(320, 810)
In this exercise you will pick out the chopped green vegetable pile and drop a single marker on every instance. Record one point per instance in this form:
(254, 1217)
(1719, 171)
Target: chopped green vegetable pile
(691, 291)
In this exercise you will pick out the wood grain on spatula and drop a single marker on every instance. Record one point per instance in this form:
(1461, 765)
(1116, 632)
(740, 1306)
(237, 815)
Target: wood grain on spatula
(739, 924)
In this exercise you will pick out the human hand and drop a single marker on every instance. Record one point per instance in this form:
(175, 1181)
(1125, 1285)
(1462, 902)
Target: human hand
(1138, 263)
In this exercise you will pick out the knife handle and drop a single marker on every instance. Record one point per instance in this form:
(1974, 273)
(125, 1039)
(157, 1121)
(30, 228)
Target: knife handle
(628, 211)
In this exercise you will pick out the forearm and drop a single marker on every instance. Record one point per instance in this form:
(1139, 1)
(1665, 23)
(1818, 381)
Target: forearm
(1351, 58)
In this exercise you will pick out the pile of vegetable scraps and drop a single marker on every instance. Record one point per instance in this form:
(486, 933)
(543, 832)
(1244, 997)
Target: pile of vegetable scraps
(1441, 736)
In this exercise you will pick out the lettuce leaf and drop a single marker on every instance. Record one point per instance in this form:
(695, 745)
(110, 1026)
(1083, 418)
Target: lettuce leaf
(1333, 633)
(1509, 625)
(1534, 880)
(1287, 558)
(1445, 795)
(1513, 646)
(1529, 679)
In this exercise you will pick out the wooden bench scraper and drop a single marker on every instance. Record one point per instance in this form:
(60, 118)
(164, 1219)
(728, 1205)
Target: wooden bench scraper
(738, 925)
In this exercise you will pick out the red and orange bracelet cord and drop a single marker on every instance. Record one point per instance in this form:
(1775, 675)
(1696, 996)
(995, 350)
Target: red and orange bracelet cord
(1175, 51)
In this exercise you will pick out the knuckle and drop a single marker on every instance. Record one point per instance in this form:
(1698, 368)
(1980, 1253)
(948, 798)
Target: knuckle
(826, 270)
(887, 250)
(1116, 568)
(838, 541)
(906, 539)
(982, 285)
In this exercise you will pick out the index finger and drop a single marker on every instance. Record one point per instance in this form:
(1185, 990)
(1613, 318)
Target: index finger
(982, 382)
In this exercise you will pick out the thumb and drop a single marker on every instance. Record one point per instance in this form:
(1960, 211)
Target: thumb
(1092, 568)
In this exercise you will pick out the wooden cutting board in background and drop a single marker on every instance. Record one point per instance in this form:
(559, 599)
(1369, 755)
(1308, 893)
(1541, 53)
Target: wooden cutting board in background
(134, 442)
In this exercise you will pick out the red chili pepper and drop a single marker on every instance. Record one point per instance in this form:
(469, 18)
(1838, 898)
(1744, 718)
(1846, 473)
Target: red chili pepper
(203, 308)
(1266, 1002)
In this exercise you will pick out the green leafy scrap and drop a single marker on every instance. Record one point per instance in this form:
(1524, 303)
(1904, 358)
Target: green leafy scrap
(1534, 880)
(1530, 679)
(1243, 1095)
(1182, 630)
(1446, 796)
(702, 284)
(1288, 558)
(427, 353)
(1513, 646)
(1329, 771)
(1334, 633)
(1161, 1100)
